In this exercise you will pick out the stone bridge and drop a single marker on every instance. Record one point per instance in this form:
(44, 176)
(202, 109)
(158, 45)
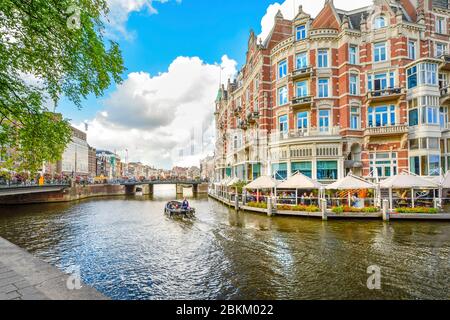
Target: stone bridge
(20, 190)
(132, 186)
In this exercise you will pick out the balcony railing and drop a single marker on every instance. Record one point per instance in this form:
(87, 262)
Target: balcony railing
(305, 133)
(445, 91)
(299, 101)
(384, 94)
(445, 64)
(388, 130)
(302, 73)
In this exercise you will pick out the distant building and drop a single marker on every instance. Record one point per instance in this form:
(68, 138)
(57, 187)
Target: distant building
(207, 168)
(193, 173)
(75, 159)
(92, 162)
(108, 164)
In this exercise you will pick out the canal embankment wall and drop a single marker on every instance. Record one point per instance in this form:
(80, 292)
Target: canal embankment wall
(25, 277)
(331, 215)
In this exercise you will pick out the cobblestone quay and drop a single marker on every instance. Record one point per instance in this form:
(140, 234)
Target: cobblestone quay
(25, 277)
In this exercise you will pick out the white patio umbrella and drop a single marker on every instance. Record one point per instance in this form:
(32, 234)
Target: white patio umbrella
(300, 182)
(262, 183)
(407, 181)
(351, 182)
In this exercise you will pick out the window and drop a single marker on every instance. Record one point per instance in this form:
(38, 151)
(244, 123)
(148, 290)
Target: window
(443, 117)
(301, 60)
(353, 54)
(302, 121)
(256, 171)
(381, 81)
(355, 118)
(324, 120)
(380, 22)
(282, 69)
(353, 84)
(385, 164)
(442, 80)
(283, 124)
(380, 52)
(282, 96)
(423, 73)
(413, 117)
(440, 25)
(425, 165)
(302, 167)
(327, 170)
(322, 58)
(381, 116)
(323, 87)
(301, 89)
(412, 49)
(279, 171)
(441, 49)
(300, 32)
(430, 115)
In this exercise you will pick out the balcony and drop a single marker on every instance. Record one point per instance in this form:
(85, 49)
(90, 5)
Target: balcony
(302, 101)
(445, 94)
(384, 95)
(305, 133)
(386, 131)
(302, 73)
(445, 64)
(252, 116)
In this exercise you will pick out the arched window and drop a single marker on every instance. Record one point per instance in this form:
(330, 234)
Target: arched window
(380, 22)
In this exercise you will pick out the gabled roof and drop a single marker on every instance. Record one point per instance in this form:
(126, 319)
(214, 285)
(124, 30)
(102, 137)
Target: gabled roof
(327, 18)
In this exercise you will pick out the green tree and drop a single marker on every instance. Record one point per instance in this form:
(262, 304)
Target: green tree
(59, 44)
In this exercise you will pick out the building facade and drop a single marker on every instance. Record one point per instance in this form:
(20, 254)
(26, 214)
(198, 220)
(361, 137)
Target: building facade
(75, 159)
(363, 91)
(108, 164)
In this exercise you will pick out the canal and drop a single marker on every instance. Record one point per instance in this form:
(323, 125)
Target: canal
(127, 249)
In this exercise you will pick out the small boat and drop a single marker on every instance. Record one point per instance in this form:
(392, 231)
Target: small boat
(174, 208)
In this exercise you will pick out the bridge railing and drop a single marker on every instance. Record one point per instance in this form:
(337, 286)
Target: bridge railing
(31, 185)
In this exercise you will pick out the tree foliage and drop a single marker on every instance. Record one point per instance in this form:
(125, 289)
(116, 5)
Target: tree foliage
(43, 57)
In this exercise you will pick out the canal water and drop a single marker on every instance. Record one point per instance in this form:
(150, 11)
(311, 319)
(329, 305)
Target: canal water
(128, 249)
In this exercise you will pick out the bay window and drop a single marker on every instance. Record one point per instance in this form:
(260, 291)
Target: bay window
(422, 74)
(381, 116)
(425, 165)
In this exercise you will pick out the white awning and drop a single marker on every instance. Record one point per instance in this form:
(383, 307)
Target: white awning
(264, 182)
(407, 181)
(300, 181)
(351, 182)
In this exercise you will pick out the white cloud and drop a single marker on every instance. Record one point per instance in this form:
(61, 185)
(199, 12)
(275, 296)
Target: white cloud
(289, 9)
(155, 117)
(120, 10)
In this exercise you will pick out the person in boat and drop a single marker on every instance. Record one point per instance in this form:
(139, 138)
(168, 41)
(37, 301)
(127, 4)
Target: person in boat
(185, 205)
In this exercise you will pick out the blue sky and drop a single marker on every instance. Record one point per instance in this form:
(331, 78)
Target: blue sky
(175, 52)
(207, 29)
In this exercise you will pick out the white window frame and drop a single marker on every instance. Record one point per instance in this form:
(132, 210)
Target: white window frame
(319, 85)
(412, 49)
(323, 60)
(280, 95)
(377, 51)
(301, 34)
(282, 69)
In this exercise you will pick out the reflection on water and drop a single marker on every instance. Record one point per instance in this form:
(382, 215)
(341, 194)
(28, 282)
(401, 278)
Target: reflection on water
(128, 249)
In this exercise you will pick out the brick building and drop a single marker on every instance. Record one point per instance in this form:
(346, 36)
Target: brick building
(363, 91)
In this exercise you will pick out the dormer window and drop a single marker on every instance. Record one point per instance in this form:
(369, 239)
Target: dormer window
(300, 32)
(380, 22)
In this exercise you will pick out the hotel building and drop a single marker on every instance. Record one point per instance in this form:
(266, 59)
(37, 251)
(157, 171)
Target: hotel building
(365, 91)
